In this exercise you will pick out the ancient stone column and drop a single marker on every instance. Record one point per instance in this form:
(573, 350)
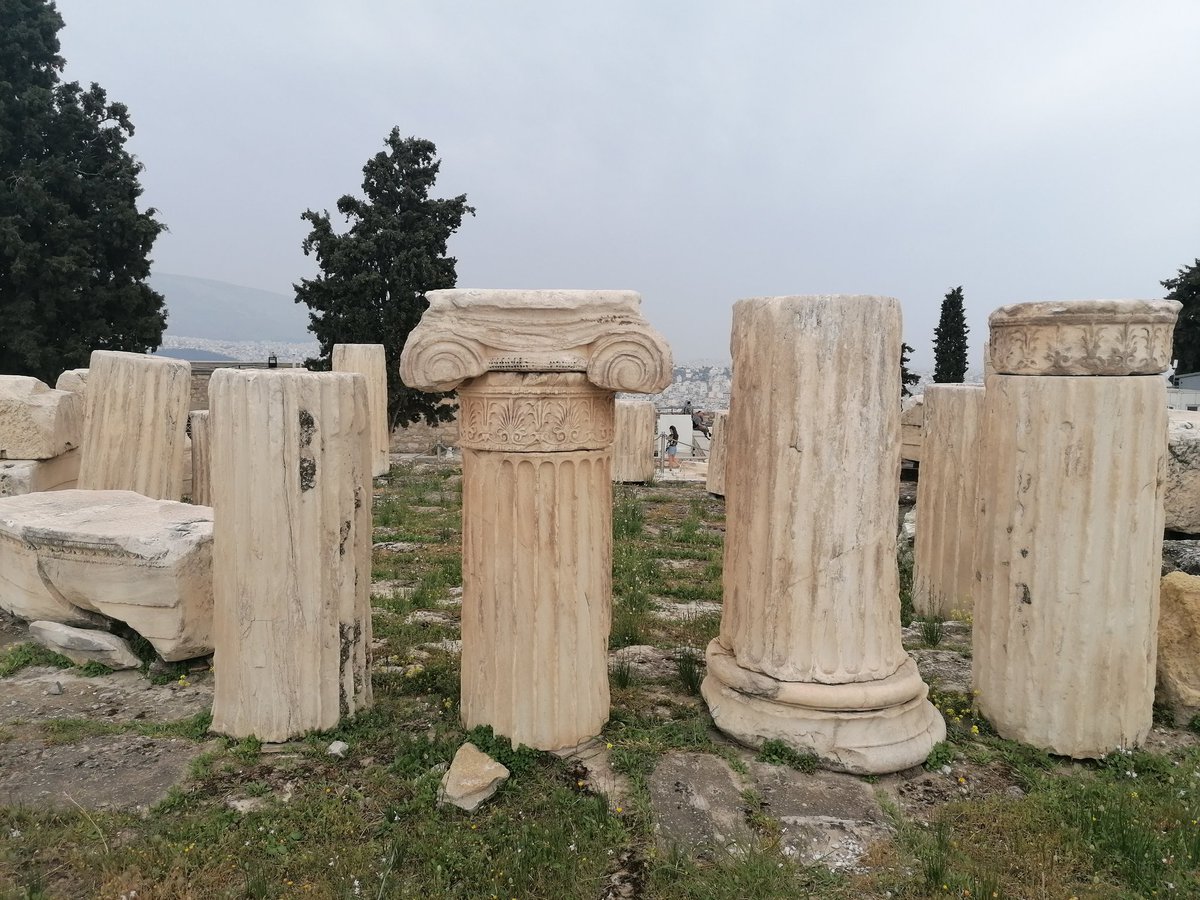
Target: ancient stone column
(134, 428)
(716, 455)
(1071, 499)
(201, 458)
(370, 361)
(944, 567)
(809, 650)
(536, 372)
(291, 491)
(633, 445)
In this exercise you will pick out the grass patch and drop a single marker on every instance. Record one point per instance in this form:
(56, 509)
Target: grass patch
(22, 656)
(780, 754)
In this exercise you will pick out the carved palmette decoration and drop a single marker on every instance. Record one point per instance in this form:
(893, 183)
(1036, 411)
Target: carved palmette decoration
(1083, 338)
(536, 412)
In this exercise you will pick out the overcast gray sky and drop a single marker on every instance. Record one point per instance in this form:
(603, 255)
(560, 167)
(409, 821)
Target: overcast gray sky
(698, 152)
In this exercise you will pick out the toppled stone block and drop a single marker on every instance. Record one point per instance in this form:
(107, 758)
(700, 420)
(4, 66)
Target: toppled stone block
(30, 476)
(1182, 488)
(72, 380)
(83, 645)
(697, 803)
(472, 778)
(37, 422)
(69, 555)
(1178, 686)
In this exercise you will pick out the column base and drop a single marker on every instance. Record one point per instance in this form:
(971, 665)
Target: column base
(871, 728)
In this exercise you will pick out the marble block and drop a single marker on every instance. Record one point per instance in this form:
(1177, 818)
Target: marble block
(1069, 556)
(37, 422)
(28, 476)
(912, 423)
(633, 444)
(370, 361)
(1178, 662)
(944, 561)
(84, 645)
(1181, 494)
(134, 432)
(809, 648)
(84, 557)
(1082, 337)
(716, 454)
(291, 492)
(74, 380)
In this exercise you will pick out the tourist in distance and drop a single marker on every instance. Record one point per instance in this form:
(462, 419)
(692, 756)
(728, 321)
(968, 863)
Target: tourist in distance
(672, 448)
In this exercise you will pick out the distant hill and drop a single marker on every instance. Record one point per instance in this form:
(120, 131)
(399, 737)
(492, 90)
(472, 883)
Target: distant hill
(218, 310)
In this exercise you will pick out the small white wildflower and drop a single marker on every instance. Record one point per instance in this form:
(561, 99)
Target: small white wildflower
(14, 834)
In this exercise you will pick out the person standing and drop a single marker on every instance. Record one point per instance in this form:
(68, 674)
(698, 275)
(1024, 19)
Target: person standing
(672, 448)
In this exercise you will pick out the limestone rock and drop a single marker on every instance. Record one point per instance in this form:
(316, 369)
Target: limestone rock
(74, 380)
(944, 561)
(134, 433)
(30, 476)
(697, 803)
(74, 556)
(1182, 489)
(472, 778)
(809, 648)
(291, 490)
(716, 454)
(633, 443)
(1179, 646)
(1082, 337)
(83, 646)
(37, 422)
(1053, 573)
(370, 361)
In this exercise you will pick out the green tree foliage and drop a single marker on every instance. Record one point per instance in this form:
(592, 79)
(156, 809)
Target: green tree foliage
(74, 248)
(906, 377)
(950, 340)
(1185, 287)
(374, 276)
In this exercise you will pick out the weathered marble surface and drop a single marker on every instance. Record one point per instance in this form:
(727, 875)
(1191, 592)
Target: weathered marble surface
(912, 424)
(370, 361)
(28, 476)
(944, 560)
(72, 380)
(37, 422)
(633, 444)
(72, 556)
(809, 650)
(201, 488)
(291, 491)
(84, 645)
(716, 454)
(1181, 493)
(134, 433)
(1068, 557)
(1082, 337)
(465, 333)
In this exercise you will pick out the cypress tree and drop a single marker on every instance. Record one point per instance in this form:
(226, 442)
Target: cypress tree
(950, 340)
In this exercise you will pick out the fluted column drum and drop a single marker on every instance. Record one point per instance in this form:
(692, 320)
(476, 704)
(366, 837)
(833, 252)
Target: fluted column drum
(633, 441)
(944, 570)
(135, 425)
(370, 361)
(716, 455)
(201, 458)
(1069, 559)
(291, 489)
(537, 556)
(809, 650)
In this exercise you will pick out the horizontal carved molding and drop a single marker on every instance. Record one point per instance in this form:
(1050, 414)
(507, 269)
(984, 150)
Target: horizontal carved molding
(535, 412)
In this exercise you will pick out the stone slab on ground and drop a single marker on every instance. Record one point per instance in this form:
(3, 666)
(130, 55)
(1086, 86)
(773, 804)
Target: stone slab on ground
(28, 697)
(697, 804)
(945, 670)
(112, 772)
(827, 819)
(472, 778)
(85, 645)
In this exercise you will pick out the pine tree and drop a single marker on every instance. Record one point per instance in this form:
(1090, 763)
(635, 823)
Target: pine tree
(74, 248)
(375, 274)
(1185, 287)
(950, 340)
(906, 377)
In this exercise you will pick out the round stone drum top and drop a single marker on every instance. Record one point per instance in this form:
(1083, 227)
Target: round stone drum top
(1083, 337)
